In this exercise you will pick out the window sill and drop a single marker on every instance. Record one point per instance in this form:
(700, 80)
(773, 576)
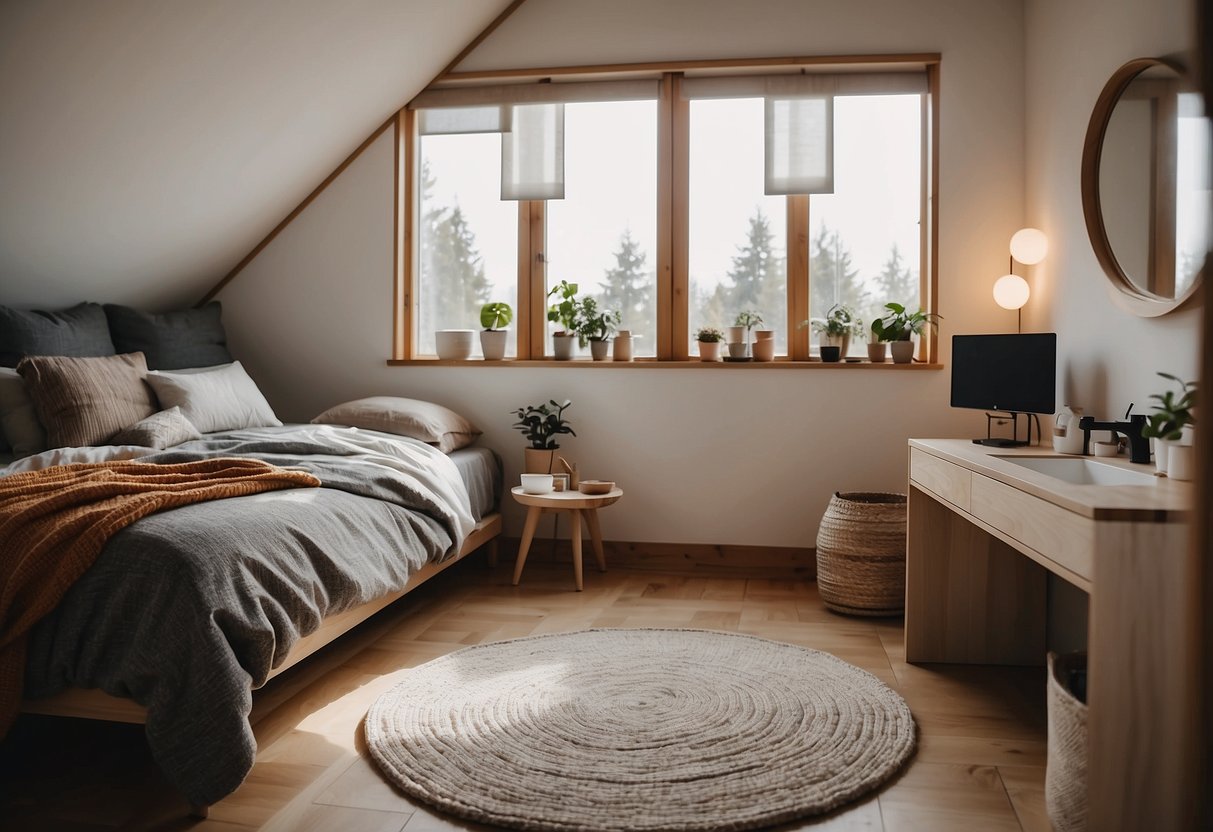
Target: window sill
(653, 364)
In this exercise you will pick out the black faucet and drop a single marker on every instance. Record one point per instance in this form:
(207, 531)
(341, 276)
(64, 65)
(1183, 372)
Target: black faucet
(1139, 446)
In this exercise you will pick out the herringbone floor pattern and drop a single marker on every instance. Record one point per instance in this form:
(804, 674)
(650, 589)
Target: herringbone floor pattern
(980, 764)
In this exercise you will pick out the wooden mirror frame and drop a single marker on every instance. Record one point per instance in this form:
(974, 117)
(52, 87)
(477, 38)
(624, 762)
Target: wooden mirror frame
(1131, 296)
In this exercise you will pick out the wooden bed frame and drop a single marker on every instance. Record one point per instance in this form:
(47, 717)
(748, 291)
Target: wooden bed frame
(91, 703)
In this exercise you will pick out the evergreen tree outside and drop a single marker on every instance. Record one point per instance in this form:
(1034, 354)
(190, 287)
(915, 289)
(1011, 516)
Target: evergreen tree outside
(629, 287)
(833, 279)
(758, 279)
(897, 283)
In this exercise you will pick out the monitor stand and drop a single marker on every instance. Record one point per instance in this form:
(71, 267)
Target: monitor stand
(1004, 442)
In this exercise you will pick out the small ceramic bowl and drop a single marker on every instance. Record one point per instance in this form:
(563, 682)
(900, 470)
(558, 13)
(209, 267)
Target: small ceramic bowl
(595, 487)
(537, 483)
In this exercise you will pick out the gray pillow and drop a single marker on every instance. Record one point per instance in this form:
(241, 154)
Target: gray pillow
(79, 331)
(160, 430)
(174, 340)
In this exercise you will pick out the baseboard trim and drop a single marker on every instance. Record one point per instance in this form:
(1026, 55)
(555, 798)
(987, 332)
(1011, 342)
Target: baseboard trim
(691, 559)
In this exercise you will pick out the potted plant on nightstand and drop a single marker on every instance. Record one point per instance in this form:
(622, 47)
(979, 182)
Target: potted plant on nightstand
(564, 313)
(494, 317)
(709, 338)
(596, 326)
(1169, 426)
(898, 326)
(834, 330)
(540, 425)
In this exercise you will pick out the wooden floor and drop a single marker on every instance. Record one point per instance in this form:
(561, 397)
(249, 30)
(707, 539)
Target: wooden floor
(979, 766)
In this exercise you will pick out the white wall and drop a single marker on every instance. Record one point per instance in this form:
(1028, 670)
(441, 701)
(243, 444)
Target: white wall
(733, 456)
(1108, 357)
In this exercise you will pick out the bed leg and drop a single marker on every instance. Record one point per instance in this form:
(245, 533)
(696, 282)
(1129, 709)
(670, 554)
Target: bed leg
(493, 553)
(199, 811)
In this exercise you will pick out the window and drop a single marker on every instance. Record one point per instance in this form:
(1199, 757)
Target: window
(680, 203)
(468, 236)
(603, 234)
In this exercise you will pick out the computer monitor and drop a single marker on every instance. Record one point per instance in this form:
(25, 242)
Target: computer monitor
(1008, 373)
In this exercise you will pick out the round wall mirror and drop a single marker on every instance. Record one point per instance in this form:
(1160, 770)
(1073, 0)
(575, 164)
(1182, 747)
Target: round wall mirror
(1146, 185)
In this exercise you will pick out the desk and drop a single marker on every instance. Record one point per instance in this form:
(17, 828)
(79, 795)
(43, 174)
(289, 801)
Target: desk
(982, 535)
(579, 505)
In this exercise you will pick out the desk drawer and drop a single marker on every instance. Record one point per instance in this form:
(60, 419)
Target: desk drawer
(1064, 537)
(943, 479)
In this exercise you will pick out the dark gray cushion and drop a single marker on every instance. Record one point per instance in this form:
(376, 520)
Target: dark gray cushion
(174, 340)
(79, 332)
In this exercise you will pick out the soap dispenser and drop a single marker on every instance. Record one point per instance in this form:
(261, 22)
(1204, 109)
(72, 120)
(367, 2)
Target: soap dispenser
(1067, 436)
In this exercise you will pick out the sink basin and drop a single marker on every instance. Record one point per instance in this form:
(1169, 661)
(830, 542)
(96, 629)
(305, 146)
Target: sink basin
(1082, 471)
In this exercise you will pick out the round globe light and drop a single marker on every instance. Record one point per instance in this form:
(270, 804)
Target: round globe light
(1029, 246)
(1011, 291)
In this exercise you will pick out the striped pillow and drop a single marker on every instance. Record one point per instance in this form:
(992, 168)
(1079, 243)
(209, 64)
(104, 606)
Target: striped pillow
(85, 401)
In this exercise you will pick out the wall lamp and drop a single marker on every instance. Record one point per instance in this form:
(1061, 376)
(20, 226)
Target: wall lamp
(1028, 246)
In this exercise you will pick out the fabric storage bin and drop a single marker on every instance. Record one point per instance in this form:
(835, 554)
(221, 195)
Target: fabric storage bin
(861, 554)
(1066, 773)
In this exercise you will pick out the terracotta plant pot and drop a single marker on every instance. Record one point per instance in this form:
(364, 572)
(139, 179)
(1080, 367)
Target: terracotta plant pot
(600, 350)
(764, 335)
(564, 347)
(764, 349)
(876, 352)
(903, 351)
(709, 350)
(623, 346)
(493, 343)
(537, 461)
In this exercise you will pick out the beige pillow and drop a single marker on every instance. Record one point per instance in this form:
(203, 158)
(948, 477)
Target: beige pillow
(425, 421)
(85, 401)
(160, 430)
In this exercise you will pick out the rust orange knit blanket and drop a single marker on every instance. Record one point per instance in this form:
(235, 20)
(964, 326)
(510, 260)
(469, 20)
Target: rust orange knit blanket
(54, 523)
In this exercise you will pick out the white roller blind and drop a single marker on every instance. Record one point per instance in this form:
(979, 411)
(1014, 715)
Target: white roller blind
(448, 120)
(791, 86)
(800, 145)
(563, 93)
(532, 153)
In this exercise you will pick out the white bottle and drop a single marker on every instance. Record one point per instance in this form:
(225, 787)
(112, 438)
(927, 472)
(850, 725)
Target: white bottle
(1067, 436)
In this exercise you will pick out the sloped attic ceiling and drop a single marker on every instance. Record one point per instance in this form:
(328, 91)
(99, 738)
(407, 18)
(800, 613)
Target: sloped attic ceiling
(147, 145)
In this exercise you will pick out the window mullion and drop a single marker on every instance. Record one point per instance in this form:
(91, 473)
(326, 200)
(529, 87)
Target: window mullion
(673, 182)
(404, 235)
(537, 270)
(798, 276)
(525, 311)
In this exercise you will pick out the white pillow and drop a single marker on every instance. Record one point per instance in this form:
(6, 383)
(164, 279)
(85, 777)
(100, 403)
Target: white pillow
(429, 422)
(21, 426)
(214, 399)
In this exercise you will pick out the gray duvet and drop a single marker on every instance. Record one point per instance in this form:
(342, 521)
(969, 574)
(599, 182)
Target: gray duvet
(187, 611)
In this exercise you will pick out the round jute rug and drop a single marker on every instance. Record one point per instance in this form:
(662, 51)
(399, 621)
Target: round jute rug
(639, 730)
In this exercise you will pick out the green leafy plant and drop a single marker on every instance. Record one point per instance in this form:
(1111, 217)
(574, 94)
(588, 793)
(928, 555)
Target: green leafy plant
(839, 320)
(592, 323)
(709, 335)
(749, 318)
(900, 324)
(1173, 411)
(564, 311)
(496, 315)
(541, 424)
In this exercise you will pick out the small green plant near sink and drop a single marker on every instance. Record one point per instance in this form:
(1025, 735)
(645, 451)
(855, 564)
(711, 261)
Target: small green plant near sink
(1173, 411)
(494, 317)
(540, 424)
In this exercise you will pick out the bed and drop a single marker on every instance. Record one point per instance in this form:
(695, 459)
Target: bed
(188, 611)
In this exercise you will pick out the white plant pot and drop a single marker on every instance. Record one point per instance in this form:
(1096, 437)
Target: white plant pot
(709, 350)
(454, 344)
(1160, 455)
(622, 349)
(493, 343)
(600, 350)
(564, 347)
(903, 351)
(1181, 461)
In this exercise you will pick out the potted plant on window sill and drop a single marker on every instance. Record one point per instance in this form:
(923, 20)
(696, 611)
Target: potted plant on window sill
(540, 425)
(898, 326)
(709, 339)
(1170, 426)
(596, 326)
(494, 317)
(834, 330)
(564, 314)
(747, 319)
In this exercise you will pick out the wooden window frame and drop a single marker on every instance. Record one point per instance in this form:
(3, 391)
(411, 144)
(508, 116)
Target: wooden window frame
(673, 226)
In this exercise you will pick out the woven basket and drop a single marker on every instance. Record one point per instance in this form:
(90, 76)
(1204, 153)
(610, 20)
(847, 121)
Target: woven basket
(1066, 774)
(861, 554)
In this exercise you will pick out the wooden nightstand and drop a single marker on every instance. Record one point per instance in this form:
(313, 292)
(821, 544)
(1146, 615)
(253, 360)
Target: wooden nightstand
(577, 504)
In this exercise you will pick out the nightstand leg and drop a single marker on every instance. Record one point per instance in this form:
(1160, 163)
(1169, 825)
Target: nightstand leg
(577, 547)
(591, 518)
(528, 534)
